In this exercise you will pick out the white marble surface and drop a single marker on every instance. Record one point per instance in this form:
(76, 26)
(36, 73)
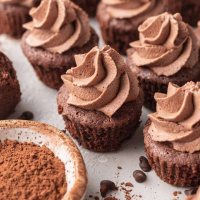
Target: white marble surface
(41, 100)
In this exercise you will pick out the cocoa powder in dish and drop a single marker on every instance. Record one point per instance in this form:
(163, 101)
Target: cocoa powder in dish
(30, 172)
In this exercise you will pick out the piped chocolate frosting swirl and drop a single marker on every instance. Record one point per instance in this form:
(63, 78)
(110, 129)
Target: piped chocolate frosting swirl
(58, 25)
(177, 117)
(101, 81)
(166, 45)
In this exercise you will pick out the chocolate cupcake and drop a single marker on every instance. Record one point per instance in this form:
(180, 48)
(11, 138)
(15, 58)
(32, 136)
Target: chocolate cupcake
(9, 87)
(191, 11)
(59, 30)
(100, 100)
(172, 135)
(13, 14)
(89, 6)
(119, 19)
(167, 51)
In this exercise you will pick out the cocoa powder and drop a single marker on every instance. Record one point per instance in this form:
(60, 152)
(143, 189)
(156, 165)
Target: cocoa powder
(30, 172)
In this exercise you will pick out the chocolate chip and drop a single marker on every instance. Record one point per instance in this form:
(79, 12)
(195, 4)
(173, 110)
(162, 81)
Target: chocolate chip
(144, 164)
(26, 115)
(107, 186)
(119, 167)
(139, 176)
(191, 191)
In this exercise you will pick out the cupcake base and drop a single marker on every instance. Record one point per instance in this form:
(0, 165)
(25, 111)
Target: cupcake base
(151, 83)
(49, 66)
(12, 17)
(9, 88)
(88, 6)
(174, 167)
(191, 11)
(118, 33)
(94, 130)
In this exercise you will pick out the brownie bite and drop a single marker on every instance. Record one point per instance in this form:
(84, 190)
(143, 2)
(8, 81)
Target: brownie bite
(9, 87)
(167, 51)
(119, 20)
(100, 100)
(171, 135)
(13, 14)
(89, 6)
(52, 40)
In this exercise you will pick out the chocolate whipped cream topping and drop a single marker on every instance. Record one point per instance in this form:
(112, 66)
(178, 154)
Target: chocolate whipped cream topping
(58, 25)
(28, 3)
(194, 197)
(177, 117)
(129, 8)
(101, 81)
(166, 45)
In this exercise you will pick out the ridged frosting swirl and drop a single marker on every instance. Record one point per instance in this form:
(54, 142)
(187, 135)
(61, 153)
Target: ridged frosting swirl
(58, 25)
(128, 8)
(177, 117)
(28, 3)
(195, 196)
(101, 81)
(166, 45)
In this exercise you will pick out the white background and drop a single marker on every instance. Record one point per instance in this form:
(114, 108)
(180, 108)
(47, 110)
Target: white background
(41, 100)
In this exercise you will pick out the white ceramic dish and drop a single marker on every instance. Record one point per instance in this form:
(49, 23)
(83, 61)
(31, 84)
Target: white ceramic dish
(61, 145)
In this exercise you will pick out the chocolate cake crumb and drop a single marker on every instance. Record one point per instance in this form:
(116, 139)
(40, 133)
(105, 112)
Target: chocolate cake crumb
(107, 186)
(175, 193)
(139, 176)
(128, 184)
(136, 197)
(127, 192)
